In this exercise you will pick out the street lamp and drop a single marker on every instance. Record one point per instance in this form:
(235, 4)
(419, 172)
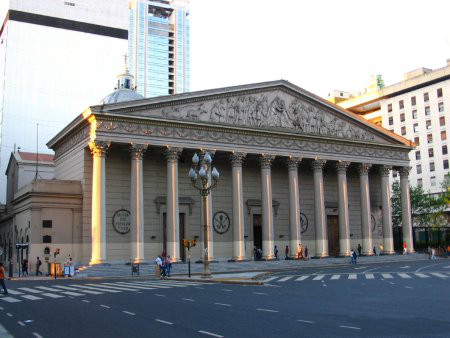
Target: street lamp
(199, 178)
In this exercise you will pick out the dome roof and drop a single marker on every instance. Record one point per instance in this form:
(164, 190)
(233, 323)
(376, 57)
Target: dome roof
(121, 95)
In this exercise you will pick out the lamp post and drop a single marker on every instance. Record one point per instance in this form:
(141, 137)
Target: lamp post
(199, 178)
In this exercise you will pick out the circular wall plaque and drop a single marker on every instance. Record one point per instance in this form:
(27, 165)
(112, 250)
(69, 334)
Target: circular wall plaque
(221, 222)
(303, 222)
(121, 221)
(374, 222)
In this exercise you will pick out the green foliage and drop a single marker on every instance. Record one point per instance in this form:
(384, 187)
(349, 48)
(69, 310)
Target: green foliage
(426, 209)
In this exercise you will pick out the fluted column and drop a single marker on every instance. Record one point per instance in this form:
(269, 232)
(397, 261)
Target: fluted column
(209, 210)
(173, 218)
(238, 207)
(344, 227)
(98, 212)
(266, 206)
(137, 202)
(319, 210)
(406, 209)
(388, 241)
(294, 205)
(366, 226)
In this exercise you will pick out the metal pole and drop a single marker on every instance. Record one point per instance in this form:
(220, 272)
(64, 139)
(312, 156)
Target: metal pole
(189, 261)
(206, 273)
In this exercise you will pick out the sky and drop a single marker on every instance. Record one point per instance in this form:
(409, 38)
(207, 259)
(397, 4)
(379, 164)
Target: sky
(319, 45)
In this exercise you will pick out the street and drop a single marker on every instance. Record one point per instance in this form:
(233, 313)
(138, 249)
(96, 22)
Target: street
(387, 299)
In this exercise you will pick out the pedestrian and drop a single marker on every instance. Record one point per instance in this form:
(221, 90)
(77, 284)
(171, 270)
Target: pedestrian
(351, 257)
(359, 249)
(276, 252)
(300, 251)
(429, 252)
(286, 253)
(404, 248)
(38, 267)
(159, 263)
(374, 251)
(168, 265)
(306, 252)
(354, 257)
(433, 253)
(2, 279)
(25, 267)
(254, 253)
(381, 249)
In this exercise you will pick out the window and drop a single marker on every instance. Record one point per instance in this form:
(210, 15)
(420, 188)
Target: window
(417, 140)
(430, 138)
(443, 135)
(419, 169)
(414, 114)
(426, 97)
(47, 224)
(391, 120)
(413, 101)
(419, 182)
(390, 107)
(46, 239)
(442, 121)
(401, 105)
(402, 117)
(416, 127)
(428, 124)
(444, 150)
(431, 166)
(445, 163)
(430, 153)
(403, 130)
(427, 111)
(441, 107)
(433, 181)
(439, 92)
(417, 155)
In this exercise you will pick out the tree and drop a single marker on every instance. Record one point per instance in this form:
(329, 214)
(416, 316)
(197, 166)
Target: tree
(426, 209)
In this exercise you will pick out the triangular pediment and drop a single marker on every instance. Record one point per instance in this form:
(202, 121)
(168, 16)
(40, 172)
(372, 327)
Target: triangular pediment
(280, 107)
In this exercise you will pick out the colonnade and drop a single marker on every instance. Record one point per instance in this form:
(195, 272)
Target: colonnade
(172, 154)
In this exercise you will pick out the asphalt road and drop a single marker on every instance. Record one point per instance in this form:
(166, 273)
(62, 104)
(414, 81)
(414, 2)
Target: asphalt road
(391, 299)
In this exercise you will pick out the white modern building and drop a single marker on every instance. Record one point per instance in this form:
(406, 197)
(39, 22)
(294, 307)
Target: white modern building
(417, 108)
(54, 54)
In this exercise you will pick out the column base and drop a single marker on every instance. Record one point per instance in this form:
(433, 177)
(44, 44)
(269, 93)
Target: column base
(321, 256)
(138, 261)
(389, 253)
(238, 259)
(200, 261)
(99, 262)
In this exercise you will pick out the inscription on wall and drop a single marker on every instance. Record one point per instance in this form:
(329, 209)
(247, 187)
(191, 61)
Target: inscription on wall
(121, 221)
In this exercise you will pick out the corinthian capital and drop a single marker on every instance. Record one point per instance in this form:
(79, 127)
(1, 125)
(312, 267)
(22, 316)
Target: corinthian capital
(385, 170)
(237, 159)
(342, 166)
(99, 148)
(404, 171)
(137, 151)
(363, 168)
(266, 161)
(293, 162)
(318, 165)
(173, 153)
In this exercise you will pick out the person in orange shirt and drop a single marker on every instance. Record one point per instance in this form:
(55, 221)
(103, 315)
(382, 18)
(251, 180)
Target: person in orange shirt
(2, 279)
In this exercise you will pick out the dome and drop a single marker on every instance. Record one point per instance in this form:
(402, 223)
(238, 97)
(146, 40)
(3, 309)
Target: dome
(121, 95)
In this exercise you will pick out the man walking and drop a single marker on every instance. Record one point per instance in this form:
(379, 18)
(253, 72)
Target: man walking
(276, 252)
(38, 267)
(2, 279)
(286, 253)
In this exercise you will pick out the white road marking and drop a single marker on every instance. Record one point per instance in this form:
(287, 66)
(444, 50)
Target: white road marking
(319, 277)
(28, 321)
(75, 289)
(404, 275)
(31, 297)
(9, 314)
(188, 299)
(10, 299)
(210, 334)
(129, 285)
(404, 267)
(305, 321)
(350, 327)
(227, 290)
(421, 275)
(70, 293)
(284, 279)
(163, 321)
(424, 267)
(387, 275)
(48, 289)
(129, 313)
(30, 290)
(222, 304)
(51, 295)
(409, 287)
(109, 287)
(260, 293)
(334, 277)
(391, 283)
(21, 323)
(267, 310)
(361, 267)
(352, 276)
(200, 288)
(13, 292)
(157, 294)
(105, 306)
(269, 279)
(86, 301)
(1, 308)
(447, 267)
(369, 276)
(437, 274)
(371, 269)
(92, 288)
(37, 335)
(301, 278)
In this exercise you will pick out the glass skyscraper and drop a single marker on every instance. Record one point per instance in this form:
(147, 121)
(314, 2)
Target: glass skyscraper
(158, 42)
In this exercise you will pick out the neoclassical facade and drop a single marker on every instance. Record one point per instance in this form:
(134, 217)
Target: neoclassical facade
(294, 169)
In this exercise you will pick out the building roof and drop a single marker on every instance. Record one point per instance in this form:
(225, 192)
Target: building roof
(23, 157)
(121, 95)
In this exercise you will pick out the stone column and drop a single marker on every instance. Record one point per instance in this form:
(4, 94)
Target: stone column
(344, 227)
(388, 241)
(209, 210)
(137, 203)
(266, 207)
(98, 212)
(173, 217)
(406, 209)
(294, 206)
(366, 224)
(238, 207)
(319, 210)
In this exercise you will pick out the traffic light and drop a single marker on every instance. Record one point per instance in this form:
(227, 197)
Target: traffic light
(193, 243)
(57, 251)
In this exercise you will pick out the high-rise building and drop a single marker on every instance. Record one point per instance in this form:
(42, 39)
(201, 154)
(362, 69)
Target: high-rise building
(56, 58)
(159, 46)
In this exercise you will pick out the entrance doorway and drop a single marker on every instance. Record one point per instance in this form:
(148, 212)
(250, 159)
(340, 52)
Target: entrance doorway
(257, 232)
(333, 235)
(181, 231)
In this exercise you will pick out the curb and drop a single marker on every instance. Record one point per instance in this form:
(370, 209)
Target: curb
(217, 281)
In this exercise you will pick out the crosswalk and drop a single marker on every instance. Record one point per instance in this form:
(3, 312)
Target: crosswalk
(19, 294)
(357, 276)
